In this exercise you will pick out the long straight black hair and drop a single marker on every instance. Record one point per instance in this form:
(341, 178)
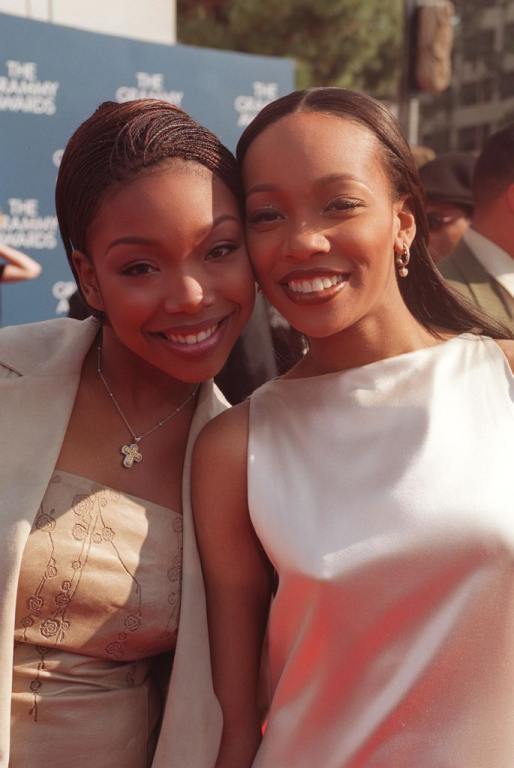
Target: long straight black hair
(432, 302)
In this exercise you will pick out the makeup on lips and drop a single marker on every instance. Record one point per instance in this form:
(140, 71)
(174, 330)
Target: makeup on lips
(314, 286)
(196, 338)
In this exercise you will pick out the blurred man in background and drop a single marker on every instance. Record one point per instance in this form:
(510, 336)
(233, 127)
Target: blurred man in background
(447, 183)
(482, 266)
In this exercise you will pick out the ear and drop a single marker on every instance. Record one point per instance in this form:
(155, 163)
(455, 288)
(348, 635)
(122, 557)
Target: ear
(404, 224)
(510, 197)
(88, 280)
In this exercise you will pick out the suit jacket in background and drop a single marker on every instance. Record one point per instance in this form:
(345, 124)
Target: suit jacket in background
(467, 275)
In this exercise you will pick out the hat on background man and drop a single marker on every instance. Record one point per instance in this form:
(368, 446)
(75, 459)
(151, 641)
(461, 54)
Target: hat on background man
(448, 178)
(447, 181)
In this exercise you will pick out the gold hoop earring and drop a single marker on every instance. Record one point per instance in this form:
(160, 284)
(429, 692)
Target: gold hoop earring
(402, 259)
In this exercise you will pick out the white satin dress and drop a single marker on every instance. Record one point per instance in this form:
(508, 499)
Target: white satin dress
(384, 497)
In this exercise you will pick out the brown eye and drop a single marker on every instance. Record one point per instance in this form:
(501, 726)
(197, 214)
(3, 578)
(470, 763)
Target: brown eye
(265, 216)
(138, 269)
(221, 250)
(342, 204)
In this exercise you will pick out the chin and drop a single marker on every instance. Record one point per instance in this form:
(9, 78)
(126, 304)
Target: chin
(195, 371)
(317, 327)
(322, 333)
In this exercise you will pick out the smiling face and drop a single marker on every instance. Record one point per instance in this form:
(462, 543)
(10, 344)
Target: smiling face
(167, 265)
(323, 223)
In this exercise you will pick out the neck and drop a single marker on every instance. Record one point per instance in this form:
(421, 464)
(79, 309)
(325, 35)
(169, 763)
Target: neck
(498, 230)
(375, 337)
(135, 383)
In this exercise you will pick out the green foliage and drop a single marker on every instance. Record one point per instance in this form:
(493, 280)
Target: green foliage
(352, 43)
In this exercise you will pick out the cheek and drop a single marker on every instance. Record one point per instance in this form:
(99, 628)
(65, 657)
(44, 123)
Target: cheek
(235, 283)
(366, 247)
(436, 235)
(444, 238)
(461, 226)
(262, 249)
(125, 300)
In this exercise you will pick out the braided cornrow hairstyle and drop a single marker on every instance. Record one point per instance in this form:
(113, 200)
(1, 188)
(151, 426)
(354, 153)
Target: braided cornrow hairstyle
(432, 302)
(117, 143)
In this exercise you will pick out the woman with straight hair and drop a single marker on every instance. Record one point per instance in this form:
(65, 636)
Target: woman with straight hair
(98, 557)
(358, 509)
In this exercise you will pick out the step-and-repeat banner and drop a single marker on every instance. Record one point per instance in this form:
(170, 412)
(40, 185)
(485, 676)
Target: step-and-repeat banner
(51, 79)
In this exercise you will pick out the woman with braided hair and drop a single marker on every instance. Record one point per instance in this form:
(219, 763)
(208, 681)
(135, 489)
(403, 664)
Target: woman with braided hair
(98, 555)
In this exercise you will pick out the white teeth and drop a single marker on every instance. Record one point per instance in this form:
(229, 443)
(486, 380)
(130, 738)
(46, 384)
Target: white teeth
(315, 285)
(191, 338)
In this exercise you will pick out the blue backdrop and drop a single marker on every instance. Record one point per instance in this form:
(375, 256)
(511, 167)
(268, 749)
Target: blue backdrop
(51, 79)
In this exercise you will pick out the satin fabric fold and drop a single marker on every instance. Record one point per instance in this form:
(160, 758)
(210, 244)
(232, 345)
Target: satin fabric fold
(383, 496)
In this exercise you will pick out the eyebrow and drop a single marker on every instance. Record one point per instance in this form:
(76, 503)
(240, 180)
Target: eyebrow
(129, 240)
(332, 177)
(138, 240)
(321, 182)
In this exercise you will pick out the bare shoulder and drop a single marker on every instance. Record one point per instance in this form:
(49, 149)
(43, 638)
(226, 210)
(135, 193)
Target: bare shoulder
(224, 438)
(219, 464)
(507, 347)
(219, 482)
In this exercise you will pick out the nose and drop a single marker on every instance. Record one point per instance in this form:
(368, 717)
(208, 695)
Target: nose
(187, 295)
(305, 240)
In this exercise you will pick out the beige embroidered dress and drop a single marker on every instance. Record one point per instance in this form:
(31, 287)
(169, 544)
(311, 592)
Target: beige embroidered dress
(98, 601)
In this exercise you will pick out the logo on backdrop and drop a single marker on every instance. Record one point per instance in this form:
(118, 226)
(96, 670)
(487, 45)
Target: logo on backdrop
(23, 227)
(62, 290)
(22, 91)
(57, 157)
(247, 107)
(149, 86)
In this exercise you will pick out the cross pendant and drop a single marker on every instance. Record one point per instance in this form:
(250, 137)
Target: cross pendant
(130, 455)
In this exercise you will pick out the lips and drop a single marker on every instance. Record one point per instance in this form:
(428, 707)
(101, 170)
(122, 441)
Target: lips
(190, 338)
(194, 339)
(314, 286)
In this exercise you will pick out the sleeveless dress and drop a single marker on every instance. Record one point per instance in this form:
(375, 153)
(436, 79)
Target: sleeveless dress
(98, 600)
(383, 496)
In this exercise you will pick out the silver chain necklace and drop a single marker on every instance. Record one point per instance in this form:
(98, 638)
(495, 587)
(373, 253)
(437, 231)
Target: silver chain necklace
(131, 451)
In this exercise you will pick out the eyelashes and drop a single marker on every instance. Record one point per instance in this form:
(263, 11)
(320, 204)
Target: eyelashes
(271, 215)
(266, 216)
(138, 269)
(342, 204)
(143, 268)
(222, 250)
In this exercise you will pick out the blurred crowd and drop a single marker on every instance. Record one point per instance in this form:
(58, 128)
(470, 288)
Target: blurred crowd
(470, 210)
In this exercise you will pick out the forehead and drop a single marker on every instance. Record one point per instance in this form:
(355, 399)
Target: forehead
(174, 196)
(313, 143)
(166, 185)
(161, 174)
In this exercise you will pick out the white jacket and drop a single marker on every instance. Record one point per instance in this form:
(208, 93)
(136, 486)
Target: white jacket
(40, 368)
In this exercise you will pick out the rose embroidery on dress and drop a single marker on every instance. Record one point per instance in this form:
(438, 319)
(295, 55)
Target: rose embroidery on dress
(50, 627)
(50, 607)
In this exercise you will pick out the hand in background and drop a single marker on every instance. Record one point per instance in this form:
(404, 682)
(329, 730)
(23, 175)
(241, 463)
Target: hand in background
(18, 266)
